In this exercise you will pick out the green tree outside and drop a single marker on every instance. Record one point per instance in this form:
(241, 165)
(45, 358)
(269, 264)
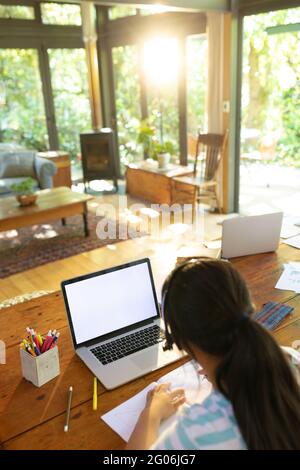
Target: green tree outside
(127, 102)
(71, 98)
(22, 113)
(271, 88)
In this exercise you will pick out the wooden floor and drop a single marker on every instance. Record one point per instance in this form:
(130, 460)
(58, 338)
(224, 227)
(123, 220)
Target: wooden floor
(49, 276)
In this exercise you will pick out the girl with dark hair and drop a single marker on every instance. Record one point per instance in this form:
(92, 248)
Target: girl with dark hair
(255, 401)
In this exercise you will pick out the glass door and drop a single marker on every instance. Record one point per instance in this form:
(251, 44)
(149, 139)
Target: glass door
(161, 79)
(161, 65)
(196, 82)
(154, 64)
(69, 79)
(270, 144)
(22, 112)
(127, 112)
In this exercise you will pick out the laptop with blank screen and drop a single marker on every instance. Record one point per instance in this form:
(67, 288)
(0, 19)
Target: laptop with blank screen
(115, 322)
(249, 235)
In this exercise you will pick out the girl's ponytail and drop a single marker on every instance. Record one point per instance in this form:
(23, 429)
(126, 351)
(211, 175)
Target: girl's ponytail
(257, 379)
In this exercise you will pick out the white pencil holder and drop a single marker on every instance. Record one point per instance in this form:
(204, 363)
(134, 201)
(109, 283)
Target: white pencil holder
(40, 369)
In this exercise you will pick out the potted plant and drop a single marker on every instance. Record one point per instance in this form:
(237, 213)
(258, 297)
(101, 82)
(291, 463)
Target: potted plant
(146, 136)
(163, 152)
(154, 148)
(25, 192)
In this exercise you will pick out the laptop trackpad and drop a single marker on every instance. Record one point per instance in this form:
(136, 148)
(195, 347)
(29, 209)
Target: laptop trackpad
(146, 361)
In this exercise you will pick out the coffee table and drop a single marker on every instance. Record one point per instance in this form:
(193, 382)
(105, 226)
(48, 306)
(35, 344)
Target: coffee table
(51, 204)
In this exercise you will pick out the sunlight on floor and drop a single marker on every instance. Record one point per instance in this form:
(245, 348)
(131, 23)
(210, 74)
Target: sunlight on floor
(269, 188)
(149, 212)
(9, 234)
(127, 216)
(101, 185)
(96, 185)
(178, 229)
(45, 235)
(111, 247)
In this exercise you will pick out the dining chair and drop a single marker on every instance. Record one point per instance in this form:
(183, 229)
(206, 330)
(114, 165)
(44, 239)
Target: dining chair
(208, 156)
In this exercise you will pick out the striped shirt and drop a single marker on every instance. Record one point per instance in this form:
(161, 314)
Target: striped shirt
(210, 425)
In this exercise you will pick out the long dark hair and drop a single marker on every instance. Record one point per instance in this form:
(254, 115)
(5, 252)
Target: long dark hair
(206, 304)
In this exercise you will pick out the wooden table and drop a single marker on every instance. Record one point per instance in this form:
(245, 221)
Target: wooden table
(147, 182)
(63, 164)
(33, 418)
(51, 204)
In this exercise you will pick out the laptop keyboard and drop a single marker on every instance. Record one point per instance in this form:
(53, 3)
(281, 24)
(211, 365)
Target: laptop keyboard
(121, 347)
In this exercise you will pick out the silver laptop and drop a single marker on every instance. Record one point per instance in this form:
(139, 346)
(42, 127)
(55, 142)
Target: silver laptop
(115, 323)
(250, 235)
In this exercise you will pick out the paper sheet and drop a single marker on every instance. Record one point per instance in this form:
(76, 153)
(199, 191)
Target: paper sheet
(292, 220)
(288, 231)
(290, 278)
(293, 265)
(295, 360)
(123, 418)
(293, 353)
(213, 245)
(293, 241)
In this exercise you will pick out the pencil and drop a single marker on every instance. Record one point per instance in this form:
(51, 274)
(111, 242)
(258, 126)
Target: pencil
(70, 392)
(95, 394)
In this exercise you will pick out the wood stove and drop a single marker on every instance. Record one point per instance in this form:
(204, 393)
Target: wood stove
(98, 153)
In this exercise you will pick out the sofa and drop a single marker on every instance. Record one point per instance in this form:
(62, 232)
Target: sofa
(17, 165)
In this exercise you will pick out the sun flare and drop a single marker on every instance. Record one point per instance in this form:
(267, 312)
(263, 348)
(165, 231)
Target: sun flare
(161, 60)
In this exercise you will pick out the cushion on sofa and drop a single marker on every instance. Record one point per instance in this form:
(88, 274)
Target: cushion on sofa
(17, 163)
(5, 146)
(45, 170)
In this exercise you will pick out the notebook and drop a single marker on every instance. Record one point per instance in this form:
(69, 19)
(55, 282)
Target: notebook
(123, 418)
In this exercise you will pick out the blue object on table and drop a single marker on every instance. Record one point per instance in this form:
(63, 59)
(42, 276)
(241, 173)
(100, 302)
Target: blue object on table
(272, 314)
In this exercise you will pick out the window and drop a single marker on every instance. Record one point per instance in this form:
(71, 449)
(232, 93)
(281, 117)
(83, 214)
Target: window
(71, 99)
(17, 12)
(61, 14)
(127, 95)
(196, 82)
(154, 10)
(270, 91)
(157, 70)
(161, 67)
(121, 11)
(22, 113)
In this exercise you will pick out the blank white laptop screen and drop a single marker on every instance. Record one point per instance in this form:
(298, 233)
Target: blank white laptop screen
(105, 303)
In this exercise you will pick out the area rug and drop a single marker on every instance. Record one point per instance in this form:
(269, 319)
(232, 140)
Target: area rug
(19, 299)
(33, 246)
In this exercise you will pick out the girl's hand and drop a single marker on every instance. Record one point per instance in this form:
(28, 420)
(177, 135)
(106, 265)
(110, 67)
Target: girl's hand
(163, 402)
